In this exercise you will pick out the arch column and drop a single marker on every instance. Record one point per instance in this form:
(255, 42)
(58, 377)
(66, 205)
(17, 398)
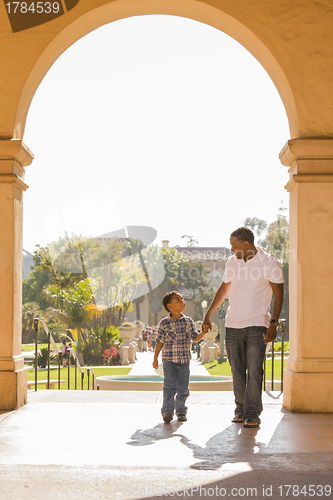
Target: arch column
(14, 156)
(309, 374)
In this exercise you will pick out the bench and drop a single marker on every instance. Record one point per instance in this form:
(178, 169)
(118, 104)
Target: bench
(53, 383)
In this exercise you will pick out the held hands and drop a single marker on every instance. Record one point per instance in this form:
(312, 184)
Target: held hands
(206, 325)
(270, 333)
(205, 328)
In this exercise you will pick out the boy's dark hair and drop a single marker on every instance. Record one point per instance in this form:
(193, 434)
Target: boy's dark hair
(167, 298)
(243, 234)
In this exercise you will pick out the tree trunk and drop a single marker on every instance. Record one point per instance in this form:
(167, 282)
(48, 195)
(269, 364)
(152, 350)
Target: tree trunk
(137, 305)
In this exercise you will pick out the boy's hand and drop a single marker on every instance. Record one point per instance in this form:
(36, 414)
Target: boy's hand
(155, 363)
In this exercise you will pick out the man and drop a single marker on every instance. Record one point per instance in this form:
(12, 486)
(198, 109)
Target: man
(251, 277)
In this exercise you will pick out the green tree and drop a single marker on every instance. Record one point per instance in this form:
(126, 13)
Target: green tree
(72, 305)
(172, 261)
(183, 274)
(30, 311)
(135, 246)
(206, 294)
(68, 261)
(85, 284)
(191, 242)
(276, 241)
(33, 288)
(51, 266)
(257, 225)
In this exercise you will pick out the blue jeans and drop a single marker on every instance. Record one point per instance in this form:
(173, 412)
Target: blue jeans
(246, 351)
(175, 387)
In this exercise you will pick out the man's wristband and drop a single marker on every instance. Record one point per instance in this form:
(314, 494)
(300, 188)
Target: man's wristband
(275, 322)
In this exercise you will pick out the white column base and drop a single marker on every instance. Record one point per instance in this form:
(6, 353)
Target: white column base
(13, 389)
(308, 392)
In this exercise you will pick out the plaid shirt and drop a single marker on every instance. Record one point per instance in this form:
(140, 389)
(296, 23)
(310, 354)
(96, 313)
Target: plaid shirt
(176, 335)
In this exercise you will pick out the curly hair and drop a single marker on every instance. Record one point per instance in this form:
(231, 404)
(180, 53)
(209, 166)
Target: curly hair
(244, 234)
(167, 298)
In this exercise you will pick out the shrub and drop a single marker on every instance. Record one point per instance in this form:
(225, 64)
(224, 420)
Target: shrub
(42, 358)
(278, 346)
(97, 342)
(111, 357)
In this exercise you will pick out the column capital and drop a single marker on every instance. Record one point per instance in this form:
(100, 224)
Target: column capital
(309, 161)
(14, 156)
(306, 149)
(14, 149)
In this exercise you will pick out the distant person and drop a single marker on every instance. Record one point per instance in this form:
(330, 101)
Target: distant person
(199, 348)
(250, 278)
(145, 339)
(153, 339)
(149, 338)
(174, 334)
(73, 354)
(63, 350)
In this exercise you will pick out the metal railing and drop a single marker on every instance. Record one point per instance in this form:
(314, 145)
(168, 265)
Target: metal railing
(273, 356)
(70, 354)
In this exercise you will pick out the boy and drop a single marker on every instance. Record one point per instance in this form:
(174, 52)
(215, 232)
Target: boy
(174, 336)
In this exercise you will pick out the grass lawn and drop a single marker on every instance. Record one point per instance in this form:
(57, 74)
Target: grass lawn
(214, 368)
(31, 347)
(277, 368)
(99, 372)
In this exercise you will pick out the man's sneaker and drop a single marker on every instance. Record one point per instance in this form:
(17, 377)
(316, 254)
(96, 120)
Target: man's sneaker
(167, 417)
(182, 418)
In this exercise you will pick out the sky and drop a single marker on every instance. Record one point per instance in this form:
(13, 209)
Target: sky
(155, 121)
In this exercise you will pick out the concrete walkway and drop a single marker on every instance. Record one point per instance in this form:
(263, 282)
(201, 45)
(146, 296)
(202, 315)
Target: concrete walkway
(113, 445)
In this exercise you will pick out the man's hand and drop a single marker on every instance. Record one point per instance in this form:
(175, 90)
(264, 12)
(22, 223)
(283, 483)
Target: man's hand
(206, 324)
(155, 363)
(270, 333)
(205, 328)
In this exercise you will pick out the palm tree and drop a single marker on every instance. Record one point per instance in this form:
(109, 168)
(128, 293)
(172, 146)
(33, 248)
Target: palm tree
(30, 310)
(74, 306)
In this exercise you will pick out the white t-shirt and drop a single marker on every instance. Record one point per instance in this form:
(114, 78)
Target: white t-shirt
(250, 292)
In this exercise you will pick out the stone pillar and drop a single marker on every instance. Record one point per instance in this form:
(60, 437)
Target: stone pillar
(14, 156)
(137, 340)
(308, 383)
(127, 348)
(208, 350)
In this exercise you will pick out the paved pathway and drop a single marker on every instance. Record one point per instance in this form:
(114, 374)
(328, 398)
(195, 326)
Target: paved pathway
(87, 445)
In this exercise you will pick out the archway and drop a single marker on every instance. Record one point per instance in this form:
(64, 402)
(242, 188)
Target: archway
(265, 32)
(87, 22)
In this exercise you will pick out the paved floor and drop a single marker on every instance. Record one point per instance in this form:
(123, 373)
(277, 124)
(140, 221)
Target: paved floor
(113, 445)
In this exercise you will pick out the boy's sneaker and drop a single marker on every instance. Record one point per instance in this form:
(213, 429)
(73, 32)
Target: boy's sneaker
(182, 417)
(167, 417)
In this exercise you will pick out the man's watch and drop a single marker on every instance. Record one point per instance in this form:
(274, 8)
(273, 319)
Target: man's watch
(275, 321)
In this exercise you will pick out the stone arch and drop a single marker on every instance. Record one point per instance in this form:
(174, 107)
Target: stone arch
(277, 34)
(113, 11)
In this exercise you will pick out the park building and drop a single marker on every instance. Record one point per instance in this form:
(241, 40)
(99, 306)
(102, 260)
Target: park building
(214, 259)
